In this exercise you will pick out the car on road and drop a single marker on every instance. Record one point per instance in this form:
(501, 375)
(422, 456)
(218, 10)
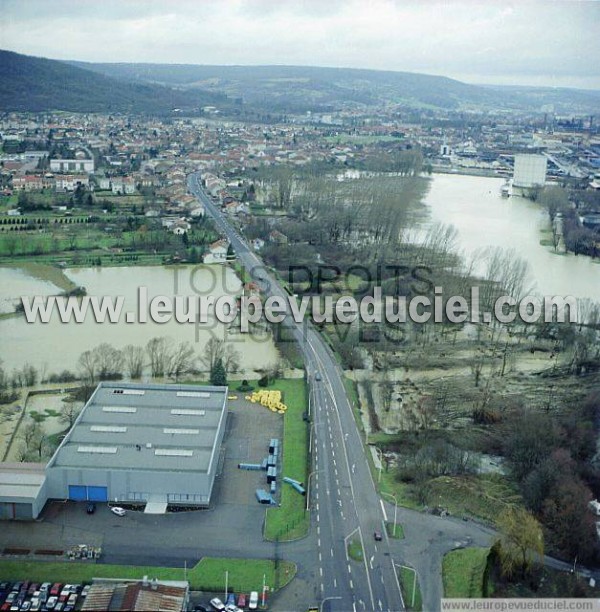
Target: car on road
(253, 601)
(90, 508)
(217, 604)
(377, 536)
(318, 376)
(118, 510)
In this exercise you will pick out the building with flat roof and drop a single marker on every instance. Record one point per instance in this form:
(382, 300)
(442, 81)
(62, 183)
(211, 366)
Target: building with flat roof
(142, 443)
(22, 490)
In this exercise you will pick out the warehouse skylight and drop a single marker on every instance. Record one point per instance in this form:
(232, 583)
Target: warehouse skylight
(173, 452)
(173, 430)
(193, 394)
(103, 450)
(108, 428)
(187, 412)
(127, 409)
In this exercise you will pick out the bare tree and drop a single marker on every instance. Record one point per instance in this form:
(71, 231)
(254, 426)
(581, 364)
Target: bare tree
(183, 360)
(68, 413)
(89, 367)
(159, 352)
(109, 361)
(133, 357)
(215, 349)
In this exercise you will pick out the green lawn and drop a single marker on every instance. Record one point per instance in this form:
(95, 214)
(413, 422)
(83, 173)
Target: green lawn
(207, 575)
(462, 572)
(411, 591)
(291, 520)
(397, 533)
(355, 550)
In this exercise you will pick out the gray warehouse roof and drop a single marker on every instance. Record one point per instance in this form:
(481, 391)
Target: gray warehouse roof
(145, 427)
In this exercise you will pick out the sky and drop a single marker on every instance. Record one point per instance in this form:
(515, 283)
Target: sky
(526, 42)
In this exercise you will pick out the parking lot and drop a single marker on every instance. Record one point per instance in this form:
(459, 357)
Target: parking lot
(32, 597)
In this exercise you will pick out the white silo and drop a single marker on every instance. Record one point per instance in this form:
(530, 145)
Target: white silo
(529, 173)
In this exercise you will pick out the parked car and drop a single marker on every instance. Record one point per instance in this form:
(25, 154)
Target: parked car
(217, 604)
(232, 608)
(253, 601)
(118, 511)
(55, 589)
(241, 601)
(86, 590)
(52, 601)
(90, 508)
(230, 600)
(377, 536)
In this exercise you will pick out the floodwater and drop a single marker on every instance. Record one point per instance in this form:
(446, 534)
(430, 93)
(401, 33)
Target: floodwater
(56, 346)
(474, 206)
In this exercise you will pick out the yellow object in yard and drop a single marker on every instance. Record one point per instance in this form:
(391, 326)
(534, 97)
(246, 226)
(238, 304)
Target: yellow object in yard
(232, 397)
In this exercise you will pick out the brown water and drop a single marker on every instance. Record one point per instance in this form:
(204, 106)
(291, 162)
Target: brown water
(483, 218)
(56, 346)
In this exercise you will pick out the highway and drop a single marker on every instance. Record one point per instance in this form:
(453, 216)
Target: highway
(342, 495)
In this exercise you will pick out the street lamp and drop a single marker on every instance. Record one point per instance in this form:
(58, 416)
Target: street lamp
(395, 508)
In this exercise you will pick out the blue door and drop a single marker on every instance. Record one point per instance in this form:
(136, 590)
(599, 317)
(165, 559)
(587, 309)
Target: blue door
(77, 492)
(97, 494)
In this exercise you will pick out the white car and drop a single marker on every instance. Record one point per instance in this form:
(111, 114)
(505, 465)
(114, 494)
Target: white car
(118, 511)
(217, 604)
(253, 601)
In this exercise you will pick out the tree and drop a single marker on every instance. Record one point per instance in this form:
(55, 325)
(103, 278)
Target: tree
(218, 375)
(109, 361)
(68, 413)
(159, 352)
(183, 360)
(133, 358)
(217, 349)
(89, 366)
(521, 541)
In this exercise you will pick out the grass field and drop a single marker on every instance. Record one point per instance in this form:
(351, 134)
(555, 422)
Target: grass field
(207, 575)
(290, 521)
(462, 572)
(355, 550)
(411, 591)
(397, 533)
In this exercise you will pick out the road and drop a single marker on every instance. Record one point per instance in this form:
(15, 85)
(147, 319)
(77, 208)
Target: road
(342, 494)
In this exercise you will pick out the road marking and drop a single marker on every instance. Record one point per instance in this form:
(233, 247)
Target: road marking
(353, 603)
(317, 506)
(333, 455)
(371, 561)
(383, 510)
(341, 512)
(318, 530)
(318, 518)
(320, 557)
(380, 605)
(321, 571)
(319, 543)
(334, 583)
(349, 569)
(331, 549)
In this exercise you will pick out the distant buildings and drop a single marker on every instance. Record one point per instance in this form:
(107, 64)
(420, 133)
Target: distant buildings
(72, 165)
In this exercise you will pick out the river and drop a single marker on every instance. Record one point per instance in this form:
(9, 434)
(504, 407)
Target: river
(474, 206)
(56, 346)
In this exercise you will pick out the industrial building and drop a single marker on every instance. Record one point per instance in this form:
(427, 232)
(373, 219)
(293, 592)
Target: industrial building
(142, 443)
(153, 445)
(529, 174)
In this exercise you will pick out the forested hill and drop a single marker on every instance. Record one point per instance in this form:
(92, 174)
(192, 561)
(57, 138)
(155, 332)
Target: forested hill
(36, 84)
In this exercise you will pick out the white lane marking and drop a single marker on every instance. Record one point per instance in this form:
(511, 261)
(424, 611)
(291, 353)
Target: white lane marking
(331, 549)
(383, 510)
(370, 561)
(349, 569)
(351, 584)
(319, 543)
(320, 558)
(321, 571)
(318, 519)
(317, 506)
(334, 583)
(380, 605)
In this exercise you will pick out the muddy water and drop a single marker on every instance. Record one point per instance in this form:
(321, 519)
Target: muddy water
(483, 218)
(56, 346)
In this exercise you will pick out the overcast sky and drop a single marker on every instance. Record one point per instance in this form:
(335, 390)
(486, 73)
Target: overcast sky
(521, 42)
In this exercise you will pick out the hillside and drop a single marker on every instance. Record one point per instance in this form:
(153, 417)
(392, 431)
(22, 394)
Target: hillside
(311, 88)
(36, 84)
